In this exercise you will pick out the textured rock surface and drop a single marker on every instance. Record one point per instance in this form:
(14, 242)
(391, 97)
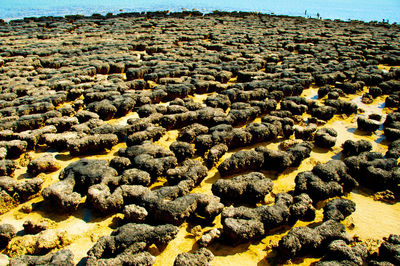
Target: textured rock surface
(147, 114)
(250, 188)
(128, 243)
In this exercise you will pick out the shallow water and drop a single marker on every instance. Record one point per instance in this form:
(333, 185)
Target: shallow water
(372, 10)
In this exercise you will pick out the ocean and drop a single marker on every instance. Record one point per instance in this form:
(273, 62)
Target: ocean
(366, 10)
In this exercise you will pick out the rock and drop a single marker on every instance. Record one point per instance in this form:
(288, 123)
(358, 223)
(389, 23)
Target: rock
(350, 88)
(241, 161)
(302, 208)
(392, 100)
(385, 196)
(281, 160)
(391, 126)
(211, 116)
(339, 253)
(91, 144)
(120, 164)
(243, 224)
(191, 170)
(40, 243)
(201, 257)
(209, 237)
(34, 228)
(62, 194)
(148, 109)
(178, 91)
(220, 133)
(127, 243)
(325, 90)
(388, 251)
(375, 172)
(305, 240)
(294, 108)
(239, 66)
(14, 148)
(182, 150)
(244, 76)
(66, 110)
(34, 137)
(62, 123)
(375, 91)
(325, 181)
(288, 143)
(261, 132)
(243, 230)
(325, 137)
(299, 152)
(214, 154)
(333, 95)
(7, 232)
(75, 181)
(341, 106)
(154, 166)
(178, 210)
(338, 209)
(135, 176)
(28, 122)
(105, 109)
(134, 213)
(353, 148)
(84, 116)
(59, 258)
(168, 204)
(105, 199)
(88, 172)
(368, 124)
(238, 138)
(7, 167)
(150, 133)
(218, 101)
(44, 164)
(241, 116)
(151, 158)
(367, 98)
(117, 67)
(393, 150)
(250, 188)
(59, 141)
(22, 190)
(3, 153)
(323, 112)
(305, 133)
(119, 130)
(265, 106)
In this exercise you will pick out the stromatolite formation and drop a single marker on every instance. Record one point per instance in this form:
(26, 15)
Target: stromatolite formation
(231, 122)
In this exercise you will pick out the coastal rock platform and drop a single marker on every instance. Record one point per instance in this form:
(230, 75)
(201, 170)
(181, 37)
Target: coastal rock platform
(186, 138)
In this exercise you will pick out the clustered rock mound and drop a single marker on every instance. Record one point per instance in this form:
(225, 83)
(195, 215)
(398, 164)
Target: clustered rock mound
(64, 87)
(128, 244)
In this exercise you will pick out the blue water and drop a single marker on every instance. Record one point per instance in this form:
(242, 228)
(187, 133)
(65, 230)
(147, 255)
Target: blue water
(366, 10)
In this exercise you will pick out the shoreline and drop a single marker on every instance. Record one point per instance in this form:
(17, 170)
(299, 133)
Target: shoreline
(180, 14)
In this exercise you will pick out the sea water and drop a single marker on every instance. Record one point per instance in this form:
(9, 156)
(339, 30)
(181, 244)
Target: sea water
(366, 10)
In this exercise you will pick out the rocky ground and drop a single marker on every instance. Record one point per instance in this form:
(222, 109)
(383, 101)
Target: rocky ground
(183, 138)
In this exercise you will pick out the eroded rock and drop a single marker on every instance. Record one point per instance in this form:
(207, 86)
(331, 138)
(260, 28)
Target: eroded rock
(250, 188)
